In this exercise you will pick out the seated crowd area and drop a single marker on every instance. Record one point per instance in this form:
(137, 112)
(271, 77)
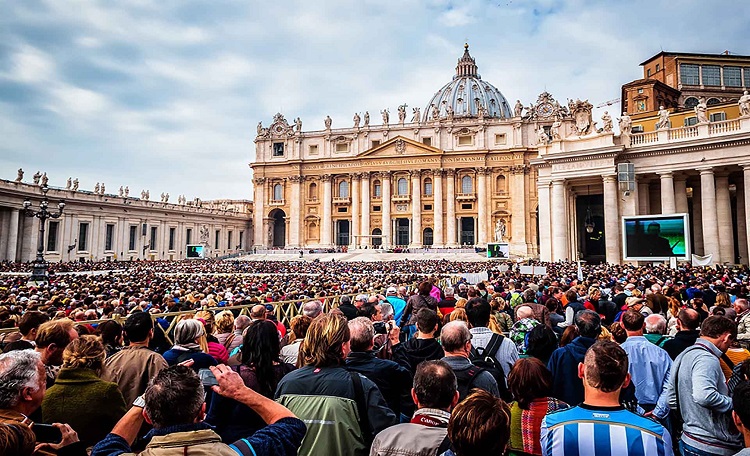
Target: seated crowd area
(400, 358)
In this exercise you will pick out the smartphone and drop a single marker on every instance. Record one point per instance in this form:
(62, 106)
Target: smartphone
(46, 433)
(207, 378)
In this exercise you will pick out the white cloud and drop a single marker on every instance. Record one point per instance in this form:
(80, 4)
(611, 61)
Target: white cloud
(31, 65)
(456, 17)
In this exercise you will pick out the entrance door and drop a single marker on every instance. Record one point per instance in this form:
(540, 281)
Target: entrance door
(279, 228)
(467, 231)
(377, 241)
(402, 231)
(342, 232)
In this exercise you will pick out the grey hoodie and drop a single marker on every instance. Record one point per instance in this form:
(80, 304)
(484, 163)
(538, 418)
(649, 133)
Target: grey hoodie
(704, 399)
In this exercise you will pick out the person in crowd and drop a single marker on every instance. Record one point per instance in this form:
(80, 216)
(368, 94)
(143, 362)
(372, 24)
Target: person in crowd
(656, 329)
(261, 370)
(29, 324)
(541, 343)
(258, 312)
(213, 347)
(133, 366)
(697, 389)
(525, 322)
(418, 301)
(312, 309)
(741, 414)
(240, 324)
(572, 307)
(487, 343)
(530, 383)
(225, 329)
(447, 304)
(688, 321)
(734, 356)
(435, 393)
(638, 305)
(181, 429)
(329, 398)
(479, 425)
(299, 326)
(616, 431)
(51, 339)
(456, 340)
(648, 365)
(392, 379)
(656, 300)
(22, 389)
(111, 333)
(424, 346)
(500, 311)
(190, 343)
(742, 308)
(347, 308)
(567, 385)
(399, 304)
(592, 298)
(17, 439)
(88, 403)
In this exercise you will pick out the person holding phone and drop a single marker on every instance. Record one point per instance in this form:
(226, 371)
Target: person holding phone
(22, 388)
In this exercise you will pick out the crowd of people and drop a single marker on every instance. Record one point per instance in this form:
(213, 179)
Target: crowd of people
(413, 360)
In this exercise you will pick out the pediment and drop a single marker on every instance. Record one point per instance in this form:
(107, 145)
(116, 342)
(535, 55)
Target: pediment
(400, 146)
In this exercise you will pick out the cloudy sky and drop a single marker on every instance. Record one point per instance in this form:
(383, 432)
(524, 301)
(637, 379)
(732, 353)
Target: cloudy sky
(166, 94)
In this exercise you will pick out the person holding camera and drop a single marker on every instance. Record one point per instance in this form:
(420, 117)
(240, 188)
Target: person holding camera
(392, 379)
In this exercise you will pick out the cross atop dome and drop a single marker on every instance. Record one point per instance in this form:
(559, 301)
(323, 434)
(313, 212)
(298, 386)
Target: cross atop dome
(466, 65)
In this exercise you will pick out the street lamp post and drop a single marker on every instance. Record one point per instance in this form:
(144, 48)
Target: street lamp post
(39, 271)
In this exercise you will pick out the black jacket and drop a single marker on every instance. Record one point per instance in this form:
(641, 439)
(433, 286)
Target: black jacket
(349, 311)
(414, 351)
(392, 379)
(681, 341)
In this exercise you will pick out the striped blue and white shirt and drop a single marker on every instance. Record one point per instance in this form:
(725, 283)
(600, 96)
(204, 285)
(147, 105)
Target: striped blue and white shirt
(603, 431)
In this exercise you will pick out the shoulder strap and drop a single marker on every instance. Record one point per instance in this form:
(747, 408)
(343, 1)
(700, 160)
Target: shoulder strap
(493, 345)
(726, 359)
(445, 445)
(183, 357)
(472, 372)
(359, 398)
(229, 340)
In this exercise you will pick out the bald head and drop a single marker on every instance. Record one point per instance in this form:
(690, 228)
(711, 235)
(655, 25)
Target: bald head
(312, 309)
(454, 336)
(258, 312)
(688, 319)
(656, 324)
(524, 312)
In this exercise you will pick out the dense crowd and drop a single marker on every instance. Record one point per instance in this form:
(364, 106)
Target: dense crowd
(592, 359)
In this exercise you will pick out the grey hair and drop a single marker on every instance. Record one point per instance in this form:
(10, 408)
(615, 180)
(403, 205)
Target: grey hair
(386, 310)
(450, 291)
(19, 369)
(312, 309)
(242, 322)
(362, 333)
(187, 331)
(454, 335)
(656, 324)
(362, 297)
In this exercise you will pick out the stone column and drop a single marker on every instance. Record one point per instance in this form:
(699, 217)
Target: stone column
(643, 198)
(741, 224)
(545, 236)
(365, 227)
(559, 221)
(746, 182)
(15, 215)
(680, 195)
(438, 239)
(355, 229)
(697, 220)
(258, 212)
(295, 219)
(386, 223)
(326, 237)
(518, 223)
(450, 212)
(708, 209)
(416, 209)
(481, 188)
(724, 218)
(667, 193)
(611, 220)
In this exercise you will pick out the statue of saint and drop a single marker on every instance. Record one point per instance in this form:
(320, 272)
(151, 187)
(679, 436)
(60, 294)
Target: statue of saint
(37, 176)
(415, 118)
(555, 129)
(402, 114)
(328, 122)
(435, 112)
(75, 184)
(745, 104)
(121, 192)
(607, 119)
(500, 230)
(663, 121)
(298, 124)
(19, 177)
(102, 189)
(701, 110)
(386, 115)
(449, 112)
(45, 180)
(148, 195)
(96, 188)
(356, 120)
(161, 197)
(166, 198)
(68, 183)
(541, 136)
(518, 109)
(127, 191)
(260, 128)
(367, 118)
(626, 124)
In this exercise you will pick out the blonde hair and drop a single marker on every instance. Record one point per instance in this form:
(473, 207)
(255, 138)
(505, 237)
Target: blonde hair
(322, 346)
(86, 352)
(225, 322)
(458, 314)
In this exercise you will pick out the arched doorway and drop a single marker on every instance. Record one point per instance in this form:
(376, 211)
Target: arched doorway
(427, 237)
(377, 241)
(278, 218)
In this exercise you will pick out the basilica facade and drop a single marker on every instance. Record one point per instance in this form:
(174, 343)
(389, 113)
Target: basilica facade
(456, 173)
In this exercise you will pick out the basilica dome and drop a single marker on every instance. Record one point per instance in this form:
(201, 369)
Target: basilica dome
(466, 95)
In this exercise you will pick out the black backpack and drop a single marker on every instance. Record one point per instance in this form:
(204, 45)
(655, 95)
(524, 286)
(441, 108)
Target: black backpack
(483, 359)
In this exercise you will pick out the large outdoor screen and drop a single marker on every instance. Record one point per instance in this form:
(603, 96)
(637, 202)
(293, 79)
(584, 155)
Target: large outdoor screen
(656, 237)
(195, 251)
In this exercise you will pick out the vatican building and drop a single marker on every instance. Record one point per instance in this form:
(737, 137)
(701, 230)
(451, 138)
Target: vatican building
(472, 168)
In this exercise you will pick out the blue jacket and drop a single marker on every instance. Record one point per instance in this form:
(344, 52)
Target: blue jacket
(563, 364)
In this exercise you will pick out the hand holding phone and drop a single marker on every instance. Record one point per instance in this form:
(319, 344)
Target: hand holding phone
(208, 379)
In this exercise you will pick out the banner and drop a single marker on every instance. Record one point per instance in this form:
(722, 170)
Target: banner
(475, 278)
(702, 260)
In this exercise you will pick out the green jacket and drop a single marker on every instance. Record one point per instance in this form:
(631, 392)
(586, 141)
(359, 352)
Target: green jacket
(87, 403)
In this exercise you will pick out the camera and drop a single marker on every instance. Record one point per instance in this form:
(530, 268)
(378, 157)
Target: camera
(382, 327)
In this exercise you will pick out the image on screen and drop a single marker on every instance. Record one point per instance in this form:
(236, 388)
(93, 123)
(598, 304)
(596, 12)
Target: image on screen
(657, 237)
(195, 251)
(498, 250)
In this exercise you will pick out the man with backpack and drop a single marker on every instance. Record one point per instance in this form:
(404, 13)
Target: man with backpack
(456, 340)
(498, 350)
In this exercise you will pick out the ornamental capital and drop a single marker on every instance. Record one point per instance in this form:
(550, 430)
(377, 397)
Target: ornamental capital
(259, 180)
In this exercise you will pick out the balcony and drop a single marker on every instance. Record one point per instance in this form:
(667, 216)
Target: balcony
(277, 202)
(341, 200)
(466, 196)
(401, 198)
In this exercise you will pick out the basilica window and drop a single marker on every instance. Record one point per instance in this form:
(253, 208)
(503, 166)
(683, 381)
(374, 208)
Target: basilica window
(342, 147)
(732, 77)
(690, 121)
(403, 187)
(691, 102)
(718, 117)
(746, 72)
(427, 141)
(689, 74)
(501, 184)
(377, 190)
(500, 139)
(313, 149)
(713, 101)
(343, 189)
(467, 186)
(465, 140)
(278, 192)
(312, 192)
(428, 187)
(711, 75)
